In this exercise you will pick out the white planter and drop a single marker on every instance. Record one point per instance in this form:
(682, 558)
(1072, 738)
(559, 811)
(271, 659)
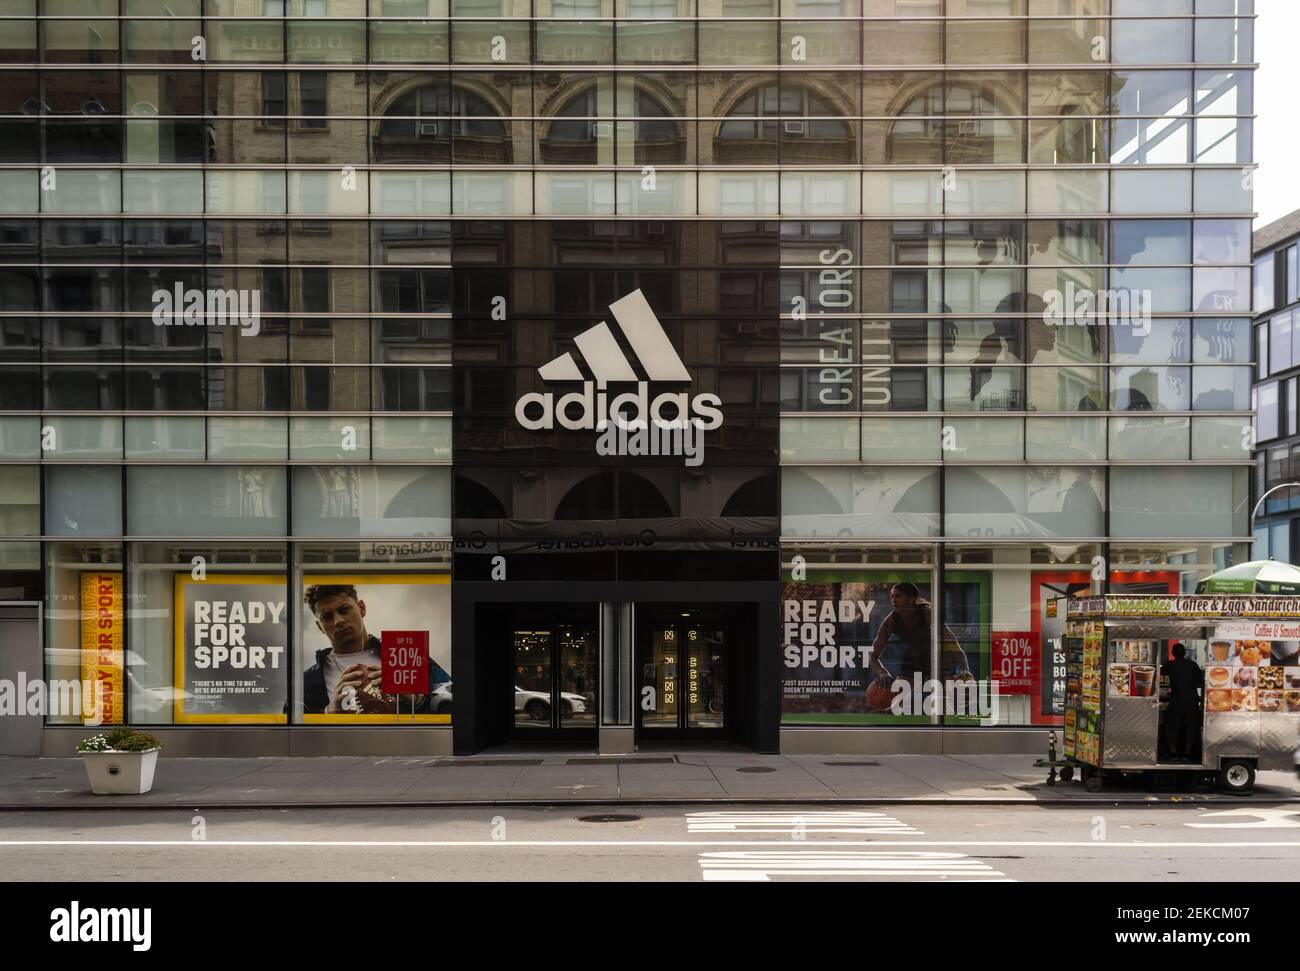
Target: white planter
(120, 773)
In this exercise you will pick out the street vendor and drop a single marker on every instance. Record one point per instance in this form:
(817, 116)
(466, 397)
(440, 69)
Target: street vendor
(1181, 726)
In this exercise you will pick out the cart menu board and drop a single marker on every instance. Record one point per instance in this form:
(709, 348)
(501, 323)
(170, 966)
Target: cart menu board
(1083, 666)
(1251, 676)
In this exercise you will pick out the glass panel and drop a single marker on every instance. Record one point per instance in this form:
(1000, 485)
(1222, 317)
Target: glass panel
(341, 438)
(1204, 501)
(532, 665)
(577, 676)
(901, 439)
(705, 650)
(1153, 191)
(819, 439)
(1221, 341)
(659, 673)
(984, 440)
(1221, 388)
(1065, 439)
(206, 501)
(1033, 501)
(1149, 438)
(410, 439)
(1152, 41)
(82, 438)
(860, 502)
(262, 439)
(1221, 190)
(363, 501)
(83, 500)
(20, 499)
(1217, 439)
(1151, 389)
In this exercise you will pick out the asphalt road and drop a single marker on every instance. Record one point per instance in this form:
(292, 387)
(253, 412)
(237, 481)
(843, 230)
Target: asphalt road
(1250, 842)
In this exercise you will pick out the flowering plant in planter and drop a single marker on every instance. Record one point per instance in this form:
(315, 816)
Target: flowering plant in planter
(120, 762)
(120, 740)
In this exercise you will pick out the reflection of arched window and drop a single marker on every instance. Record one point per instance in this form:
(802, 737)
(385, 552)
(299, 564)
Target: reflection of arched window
(591, 498)
(757, 498)
(960, 122)
(421, 124)
(474, 500)
(806, 126)
(639, 498)
(575, 134)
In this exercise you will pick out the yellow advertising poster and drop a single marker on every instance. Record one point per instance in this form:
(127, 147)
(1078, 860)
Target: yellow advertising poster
(232, 655)
(101, 648)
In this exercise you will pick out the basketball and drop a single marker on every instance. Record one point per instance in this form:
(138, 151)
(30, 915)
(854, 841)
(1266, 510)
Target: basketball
(879, 696)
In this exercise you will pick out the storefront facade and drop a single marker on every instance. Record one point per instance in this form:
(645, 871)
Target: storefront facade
(678, 373)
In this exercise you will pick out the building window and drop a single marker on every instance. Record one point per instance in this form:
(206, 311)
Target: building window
(1293, 274)
(1266, 424)
(1265, 285)
(1279, 342)
(273, 98)
(311, 91)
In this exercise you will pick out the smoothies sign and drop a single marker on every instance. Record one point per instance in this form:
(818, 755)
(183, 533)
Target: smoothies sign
(1192, 606)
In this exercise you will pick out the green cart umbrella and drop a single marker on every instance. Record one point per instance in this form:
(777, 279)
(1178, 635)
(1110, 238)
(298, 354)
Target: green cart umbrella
(1258, 576)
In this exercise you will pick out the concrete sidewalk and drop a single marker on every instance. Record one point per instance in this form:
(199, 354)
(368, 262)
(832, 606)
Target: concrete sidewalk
(543, 778)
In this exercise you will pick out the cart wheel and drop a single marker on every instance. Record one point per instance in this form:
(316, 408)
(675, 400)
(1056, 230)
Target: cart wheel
(1094, 782)
(1236, 776)
(1067, 773)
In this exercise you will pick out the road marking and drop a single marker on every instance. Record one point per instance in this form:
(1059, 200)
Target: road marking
(1266, 819)
(796, 823)
(762, 866)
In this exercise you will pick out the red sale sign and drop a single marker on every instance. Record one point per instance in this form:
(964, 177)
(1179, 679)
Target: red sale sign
(1015, 662)
(404, 662)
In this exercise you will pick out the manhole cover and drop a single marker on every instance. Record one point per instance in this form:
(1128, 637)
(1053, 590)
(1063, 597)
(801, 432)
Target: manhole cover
(756, 768)
(609, 818)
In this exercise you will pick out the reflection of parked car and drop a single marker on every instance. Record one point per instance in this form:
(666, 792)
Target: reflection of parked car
(440, 699)
(144, 698)
(537, 705)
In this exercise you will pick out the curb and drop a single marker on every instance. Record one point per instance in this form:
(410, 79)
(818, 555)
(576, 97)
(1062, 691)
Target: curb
(1187, 800)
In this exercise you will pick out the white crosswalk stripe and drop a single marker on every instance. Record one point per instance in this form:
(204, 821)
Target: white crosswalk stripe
(799, 823)
(762, 865)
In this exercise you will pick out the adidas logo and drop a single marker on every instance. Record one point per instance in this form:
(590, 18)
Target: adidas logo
(630, 423)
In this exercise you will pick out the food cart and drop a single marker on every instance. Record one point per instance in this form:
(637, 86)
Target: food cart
(1116, 648)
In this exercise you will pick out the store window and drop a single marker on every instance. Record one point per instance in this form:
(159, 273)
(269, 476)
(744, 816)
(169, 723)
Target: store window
(207, 634)
(1005, 605)
(85, 659)
(858, 640)
(348, 619)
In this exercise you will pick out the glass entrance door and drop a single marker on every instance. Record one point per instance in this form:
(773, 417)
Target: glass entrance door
(683, 665)
(555, 679)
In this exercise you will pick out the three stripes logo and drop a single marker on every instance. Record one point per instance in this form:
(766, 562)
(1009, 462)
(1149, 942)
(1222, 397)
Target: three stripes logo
(630, 422)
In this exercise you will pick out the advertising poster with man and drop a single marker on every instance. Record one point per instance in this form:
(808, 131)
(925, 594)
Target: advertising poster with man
(232, 649)
(850, 637)
(344, 619)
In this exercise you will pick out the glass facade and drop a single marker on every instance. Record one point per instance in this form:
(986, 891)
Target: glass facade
(301, 296)
(1277, 421)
